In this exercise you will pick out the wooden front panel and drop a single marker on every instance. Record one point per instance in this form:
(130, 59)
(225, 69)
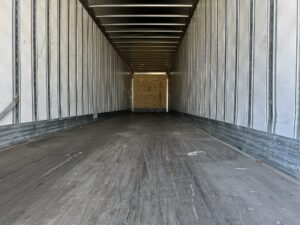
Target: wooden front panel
(150, 92)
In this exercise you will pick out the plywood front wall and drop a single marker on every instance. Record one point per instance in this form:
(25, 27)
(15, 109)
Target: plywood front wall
(150, 92)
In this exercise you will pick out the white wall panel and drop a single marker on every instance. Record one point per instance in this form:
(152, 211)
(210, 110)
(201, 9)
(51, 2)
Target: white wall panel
(72, 57)
(198, 62)
(79, 60)
(214, 59)
(102, 73)
(260, 67)
(110, 78)
(64, 73)
(221, 60)
(202, 56)
(42, 97)
(231, 62)
(243, 63)
(85, 63)
(90, 65)
(95, 70)
(94, 59)
(25, 63)
(285, 92)
(98, 86)
(6, 89)
(54, 59)
(207, 82)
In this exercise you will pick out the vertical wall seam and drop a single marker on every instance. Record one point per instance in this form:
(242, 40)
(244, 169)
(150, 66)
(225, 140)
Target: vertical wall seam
(272, 69)
(68, 60)
(48, 69)
(270, 72)
(205, 54)
(16, 59)
(297, 86)
(225, 61)
(267, 65)
(251, 63)
(275, 68)
(236, 73)
(76, 57)
(82, 64)
(33, 60)
(87, 66)
(217, 63)
(96, 72)
(199, 65)
(210, 56)
(59, 59)
(92, 66)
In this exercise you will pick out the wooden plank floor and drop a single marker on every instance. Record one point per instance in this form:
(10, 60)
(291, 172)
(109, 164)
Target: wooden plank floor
(140, 169)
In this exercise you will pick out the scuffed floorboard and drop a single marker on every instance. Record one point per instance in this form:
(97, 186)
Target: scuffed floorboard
(140, 169)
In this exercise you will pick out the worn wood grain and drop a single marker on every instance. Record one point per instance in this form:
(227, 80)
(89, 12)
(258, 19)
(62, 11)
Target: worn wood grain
(140, 169)
(150, 92)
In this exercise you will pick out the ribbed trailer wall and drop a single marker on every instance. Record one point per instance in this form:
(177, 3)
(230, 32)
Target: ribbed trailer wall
(55, 64)
(237, 71)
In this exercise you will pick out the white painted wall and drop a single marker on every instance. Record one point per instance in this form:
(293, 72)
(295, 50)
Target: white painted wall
(42, 100)
(26, 71)
(6, 62)
(223, 71)
(78, 72)
(54, 70)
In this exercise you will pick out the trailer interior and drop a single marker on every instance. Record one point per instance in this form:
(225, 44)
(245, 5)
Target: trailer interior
(146, 112)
